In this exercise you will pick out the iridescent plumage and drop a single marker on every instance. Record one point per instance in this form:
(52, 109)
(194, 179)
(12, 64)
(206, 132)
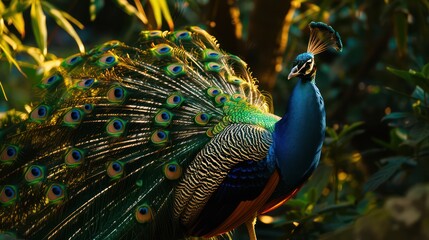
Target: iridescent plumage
(166, 139)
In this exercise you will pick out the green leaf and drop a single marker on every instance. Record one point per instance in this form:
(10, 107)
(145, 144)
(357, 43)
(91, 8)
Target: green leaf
(396, 115)
(131, 10)
(349, 128)
(386, 172)
(38, 22)
(33, 52)
(425, 70)
(72, 20)
(332, 133)
(313, 189)
(156, 12)
(299, 203)
(64, 24)
(6, 51)
(166, 13)
(94, 7)
(2, 90)
(18, 23)
(413, 77)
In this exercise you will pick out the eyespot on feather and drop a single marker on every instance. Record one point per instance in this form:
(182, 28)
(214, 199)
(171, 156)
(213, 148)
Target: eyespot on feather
(211, 55)
(151, 34)
(213, 67)
(74, 157)
(172, 170)
(202, 119)
(237, 97)
(109, 45)
(116, 94)
(34, 174)
(40, 113)
(163, 118)
(86, 83)
(221, 99)
(213, 91)
(209, 132)
(175, 69)
(8, 195)
(107, 60)
(235, 80)
(159, 137)
(115, 127)
(162, 50)
(73, 60)
(143, 213)
(115, 169)
(105, 47)
(88, 107)
(51, 81)
(9, 154)
(174, 100)
(55, 193)
(73, 117)
(181, 36)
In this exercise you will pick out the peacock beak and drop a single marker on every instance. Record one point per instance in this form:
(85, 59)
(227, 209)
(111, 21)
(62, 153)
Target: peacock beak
(293, 73)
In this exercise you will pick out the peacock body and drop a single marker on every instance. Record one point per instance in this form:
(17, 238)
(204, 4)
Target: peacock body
(166, 139)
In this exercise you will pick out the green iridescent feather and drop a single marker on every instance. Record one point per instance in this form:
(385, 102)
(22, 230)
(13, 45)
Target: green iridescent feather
(111, 158)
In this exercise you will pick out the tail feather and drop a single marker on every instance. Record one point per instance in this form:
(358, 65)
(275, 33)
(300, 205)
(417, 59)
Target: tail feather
(113, 133)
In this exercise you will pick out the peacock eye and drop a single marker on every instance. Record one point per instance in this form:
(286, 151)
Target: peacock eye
(143, 213)
(51, 81)
(211, 55)
(73, 117)
(213, 67)
(9, 154)
(74, 157)
(235, 80)
(34, 174)
(8, 195)
(159, 137)
(40, 113)
(72, 60)
(174, 100)
(163, 118)
(221, 99)
(115, 127)
(86, 83)
(213, 91)
(202, 119)
(172, 171)
(115, 169)
(107, 60)
(87, 107)
(175, 69)
(116, 94)
(162, 50)
(56, 193)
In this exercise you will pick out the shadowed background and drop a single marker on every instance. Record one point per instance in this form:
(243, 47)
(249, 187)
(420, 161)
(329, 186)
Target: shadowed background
(371, 180)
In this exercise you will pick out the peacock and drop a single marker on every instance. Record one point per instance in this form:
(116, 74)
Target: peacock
(169, 138)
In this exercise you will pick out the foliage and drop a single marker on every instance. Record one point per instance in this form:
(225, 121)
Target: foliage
(373, 174)
(13, 15)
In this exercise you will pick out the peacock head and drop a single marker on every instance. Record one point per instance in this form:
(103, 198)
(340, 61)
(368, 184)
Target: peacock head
(303, 67)
(322, 37)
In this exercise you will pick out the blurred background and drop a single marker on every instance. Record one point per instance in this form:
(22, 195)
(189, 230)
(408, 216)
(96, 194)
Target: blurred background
(372, 182)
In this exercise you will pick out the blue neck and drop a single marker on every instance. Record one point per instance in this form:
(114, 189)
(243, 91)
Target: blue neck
(298, 136)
